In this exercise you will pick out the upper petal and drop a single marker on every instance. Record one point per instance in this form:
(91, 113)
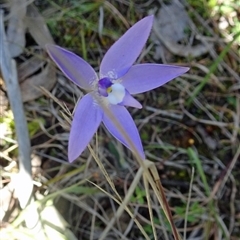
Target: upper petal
(118, 115)
(144, 77)
(124, 52)
(74, 67)
(87, 117)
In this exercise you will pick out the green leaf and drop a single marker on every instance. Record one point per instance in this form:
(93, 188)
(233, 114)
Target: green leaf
(34, 126)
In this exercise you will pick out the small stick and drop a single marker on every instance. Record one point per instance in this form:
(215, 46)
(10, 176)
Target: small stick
(9, 72)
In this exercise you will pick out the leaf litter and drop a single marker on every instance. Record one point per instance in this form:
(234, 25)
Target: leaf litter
(16, 28)
(171, 33)
(34, 71)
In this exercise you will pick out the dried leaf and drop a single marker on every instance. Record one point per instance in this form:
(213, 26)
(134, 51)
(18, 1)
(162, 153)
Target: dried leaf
(169, 28)
(16, 27)
(172, 21)
(30, 87)
(29, 67)
(37, 27)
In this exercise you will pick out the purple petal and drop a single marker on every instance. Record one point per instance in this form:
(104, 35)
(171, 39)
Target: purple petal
(130, 101)
(74, 67)
(124, 52)
(144, 77)
(87, 118)
(120, 115)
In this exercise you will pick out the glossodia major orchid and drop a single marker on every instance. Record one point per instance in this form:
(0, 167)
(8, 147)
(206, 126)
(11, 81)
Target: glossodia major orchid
(111, 89)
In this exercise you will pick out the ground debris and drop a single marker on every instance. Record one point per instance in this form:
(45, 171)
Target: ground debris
(16, 27)
(171, 30)
(46, 78)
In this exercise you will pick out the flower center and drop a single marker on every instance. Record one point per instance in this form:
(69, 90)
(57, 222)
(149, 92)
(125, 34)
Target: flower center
(104, 87)
(114, 92)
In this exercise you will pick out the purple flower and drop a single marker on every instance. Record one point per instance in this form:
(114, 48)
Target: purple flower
(111, 89)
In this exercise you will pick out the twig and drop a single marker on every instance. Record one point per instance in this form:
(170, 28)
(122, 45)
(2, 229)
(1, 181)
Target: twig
(166, 113)
(23, 181)
(229, 169)
(9, 72)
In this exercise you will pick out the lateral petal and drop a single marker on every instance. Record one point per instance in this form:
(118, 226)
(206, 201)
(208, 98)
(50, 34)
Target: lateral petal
(144, 77)
(86, 120)
(118, 115)
(130, 101)
(124, 52)
(73, 66)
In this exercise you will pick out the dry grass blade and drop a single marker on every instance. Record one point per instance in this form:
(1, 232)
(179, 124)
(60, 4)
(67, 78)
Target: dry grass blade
(117, 13)
(154, 179)
(103, 170)
(146, 185)
(229, 169)
(188, 204)
(48, 94)
(123, 206)
(122, 203)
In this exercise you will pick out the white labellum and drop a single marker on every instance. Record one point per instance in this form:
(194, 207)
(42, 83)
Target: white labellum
(117, 94)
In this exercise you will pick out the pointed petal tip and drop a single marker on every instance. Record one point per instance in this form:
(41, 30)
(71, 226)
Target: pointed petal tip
(124, 52)
(121, 116)
(51, 47)
(48, 48)
(48, 45)
(185, 69)
(130, 101)
(150, 18)
(86, 120)
(147, 76)
(72, 157)
(73, 67)
(138, 105)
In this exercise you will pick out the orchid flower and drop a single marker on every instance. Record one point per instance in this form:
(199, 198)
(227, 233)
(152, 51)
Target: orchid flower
(111, 89)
